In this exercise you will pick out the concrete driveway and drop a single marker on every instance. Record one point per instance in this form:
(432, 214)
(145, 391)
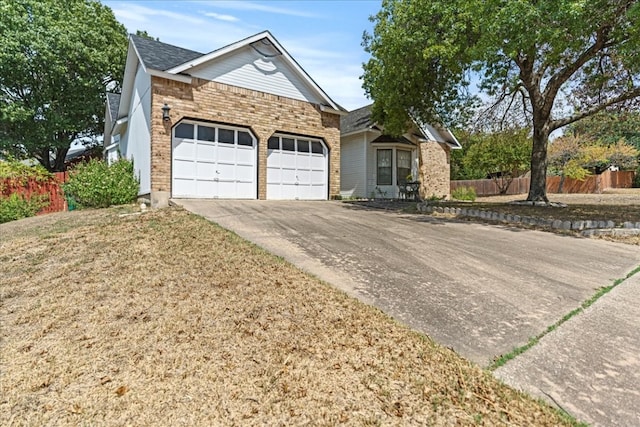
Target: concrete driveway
(479, 289)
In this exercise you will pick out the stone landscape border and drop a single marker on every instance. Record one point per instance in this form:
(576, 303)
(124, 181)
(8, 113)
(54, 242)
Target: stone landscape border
(584, 227)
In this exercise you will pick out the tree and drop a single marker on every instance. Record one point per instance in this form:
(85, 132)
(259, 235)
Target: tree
(502, 155)
(561, 60)
(460, 169)
(610, 127)
(145, 34)
(576, 157)
(56, 61)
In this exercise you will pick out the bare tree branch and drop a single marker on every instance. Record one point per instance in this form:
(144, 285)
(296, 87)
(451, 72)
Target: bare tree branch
(556, 124)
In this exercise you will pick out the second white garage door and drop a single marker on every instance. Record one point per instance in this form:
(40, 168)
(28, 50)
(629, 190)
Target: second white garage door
(296, 168)
(213, 161)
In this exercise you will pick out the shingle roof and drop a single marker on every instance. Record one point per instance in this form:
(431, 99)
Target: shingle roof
(113, 99)
(360, 119)
(162, 56)
(356, 120)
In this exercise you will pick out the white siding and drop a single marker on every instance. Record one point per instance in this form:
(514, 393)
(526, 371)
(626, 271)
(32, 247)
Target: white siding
(352, 166)
(135, 143)
(248, 69)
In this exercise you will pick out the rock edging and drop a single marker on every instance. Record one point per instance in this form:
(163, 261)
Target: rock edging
(584, 227)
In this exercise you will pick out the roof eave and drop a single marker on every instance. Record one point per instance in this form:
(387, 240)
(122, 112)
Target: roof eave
(357, 131)
(166, 75)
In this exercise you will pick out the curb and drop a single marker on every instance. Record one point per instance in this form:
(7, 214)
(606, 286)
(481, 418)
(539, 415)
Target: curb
(584, 227)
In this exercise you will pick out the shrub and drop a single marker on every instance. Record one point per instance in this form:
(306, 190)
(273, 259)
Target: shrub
(96, 184)
(464, 193)
(15, 206)
(17, 171)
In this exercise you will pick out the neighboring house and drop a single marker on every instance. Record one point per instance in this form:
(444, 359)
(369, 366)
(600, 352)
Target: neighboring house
(374, 164)
(242, 122)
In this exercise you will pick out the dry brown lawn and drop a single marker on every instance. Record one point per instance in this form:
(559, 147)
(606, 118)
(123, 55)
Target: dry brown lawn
(163, 318)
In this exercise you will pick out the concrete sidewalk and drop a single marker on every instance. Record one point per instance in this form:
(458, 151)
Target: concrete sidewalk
(590, 365)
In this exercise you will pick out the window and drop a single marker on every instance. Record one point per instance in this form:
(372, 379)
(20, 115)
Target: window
(288, 144)
(274, 143)
(316, 147)
(225, 136)
(291, 143)
(244, 138)
(206, 133)
(184, 130)
(303, 146)
(383, 162)
(403, 165)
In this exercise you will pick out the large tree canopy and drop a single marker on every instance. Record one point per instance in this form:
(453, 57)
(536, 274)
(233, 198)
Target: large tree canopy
(559, 60)
(56, 60)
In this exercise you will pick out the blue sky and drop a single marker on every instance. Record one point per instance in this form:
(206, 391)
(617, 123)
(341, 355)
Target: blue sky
(323, 36)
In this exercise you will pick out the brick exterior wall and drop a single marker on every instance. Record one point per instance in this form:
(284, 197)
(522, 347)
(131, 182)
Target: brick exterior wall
(264, 113)
(435, 170)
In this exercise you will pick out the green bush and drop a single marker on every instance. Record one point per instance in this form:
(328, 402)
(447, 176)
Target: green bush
(96, 184)
(15, 170)
(15, 206)
(464, 193)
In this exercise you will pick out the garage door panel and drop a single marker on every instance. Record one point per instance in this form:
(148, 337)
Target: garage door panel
(317, 177)
(205, 171)
(288, 176)
(226, 171)
(318, 163)
(227, 190)
(184, 187)
(226, 153)
(206, 152)
(185, 149)
(245, 173)
(183, 169)
(317, 192)
(245, 156)
(304, 176)
(206, 189)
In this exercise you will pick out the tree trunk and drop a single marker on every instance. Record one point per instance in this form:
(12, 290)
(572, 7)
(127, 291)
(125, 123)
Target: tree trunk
(538, 185)
(61, 154)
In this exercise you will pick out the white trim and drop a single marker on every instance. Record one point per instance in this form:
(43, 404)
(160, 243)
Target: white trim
(355, 132)
(323, 108)
(169, 76)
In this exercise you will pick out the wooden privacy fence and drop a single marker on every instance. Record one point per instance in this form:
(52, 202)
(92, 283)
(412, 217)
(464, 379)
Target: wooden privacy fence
(32, 187)
(591, 184)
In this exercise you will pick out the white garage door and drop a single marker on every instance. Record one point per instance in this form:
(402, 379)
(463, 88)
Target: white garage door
(213, 161)
(297, 168)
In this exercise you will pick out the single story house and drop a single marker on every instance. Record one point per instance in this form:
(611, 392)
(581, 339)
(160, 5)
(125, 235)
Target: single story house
(376, 165)
(242, 122)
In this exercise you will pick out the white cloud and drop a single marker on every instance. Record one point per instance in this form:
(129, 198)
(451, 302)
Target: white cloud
(137, 13)
(221, 17)
(259, 7)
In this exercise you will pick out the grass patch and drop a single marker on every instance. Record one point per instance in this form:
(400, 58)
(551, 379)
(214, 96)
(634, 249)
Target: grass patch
(502, 360)
(164, 318)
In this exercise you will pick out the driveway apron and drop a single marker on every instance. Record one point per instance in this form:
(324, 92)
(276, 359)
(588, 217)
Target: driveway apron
(479, 289)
